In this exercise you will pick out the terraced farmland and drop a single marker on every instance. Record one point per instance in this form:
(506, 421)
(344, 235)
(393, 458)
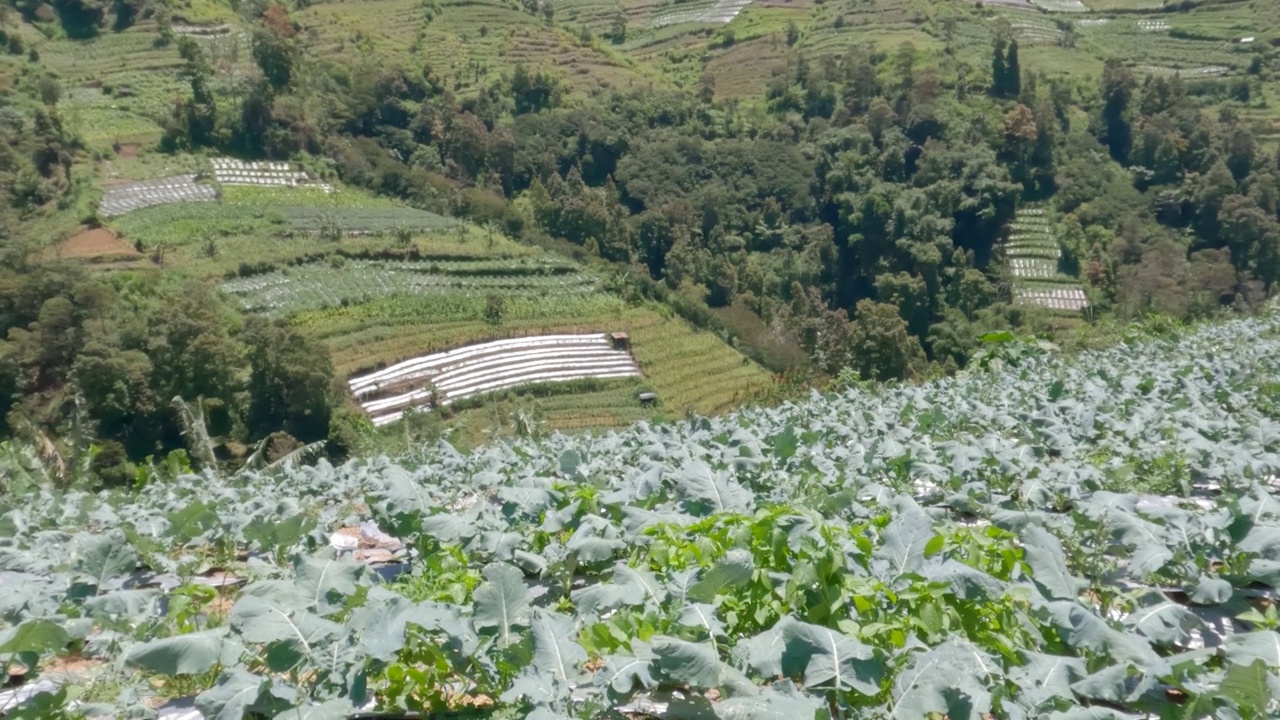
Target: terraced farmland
(1061, 6)
(1032, 254)
(118, 85)
(904, 551)
(444, 378)
(470, 42)
(1033, 28)
(359, 221)
(120, 199)
(700, 11)
(230, 171)
(317, 286)
(1146, 44)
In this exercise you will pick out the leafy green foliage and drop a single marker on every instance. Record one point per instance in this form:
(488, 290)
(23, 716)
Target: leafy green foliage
(959, 548)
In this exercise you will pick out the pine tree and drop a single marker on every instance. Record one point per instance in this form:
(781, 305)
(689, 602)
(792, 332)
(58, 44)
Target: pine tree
(998, 72)
(1013, 72)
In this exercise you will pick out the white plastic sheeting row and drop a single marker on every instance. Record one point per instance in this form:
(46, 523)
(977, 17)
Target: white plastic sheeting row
(230, 171)
(121, 199)
(447, 377)
(1069, 298)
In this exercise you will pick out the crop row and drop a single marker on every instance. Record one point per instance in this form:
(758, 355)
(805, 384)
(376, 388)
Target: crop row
(445, 380)
(313, 219)
(1032, 254)
(121, 199)
(434, 310)
(1044, 537)
(318, 286)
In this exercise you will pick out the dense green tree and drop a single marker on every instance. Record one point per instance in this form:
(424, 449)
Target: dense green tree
(290, 382)
(1117, 93)
(1252, 236)
(274, 54)
(1240, 151)
(196, 117)
(999, 70)
(882, 347)
(534, 91)
(117, 388)
(1209, 192)
(1012, 86)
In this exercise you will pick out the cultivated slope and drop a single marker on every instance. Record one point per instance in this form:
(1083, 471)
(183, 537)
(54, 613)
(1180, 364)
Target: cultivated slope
(1088, 538)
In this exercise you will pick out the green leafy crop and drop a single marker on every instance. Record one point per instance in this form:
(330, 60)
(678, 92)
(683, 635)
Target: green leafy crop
(1097, 537)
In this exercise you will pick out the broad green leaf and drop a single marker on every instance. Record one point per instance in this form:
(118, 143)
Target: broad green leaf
(1149, 542)
(124, 604)
(502, 601)
(555, 652)
(1081, 628)
(1265, 571)
(595, 599)
(763, 653)
(99, 559)
(326, 580)
(1045, 679)
(952, 676)
(236, 691)
(1094, 712)
(934, 546)
(623, 672)
(733, 569)
(1161, 619)
(785, 443)
(1212, 591)
(189, 654)
(829, 659)
(569, 462)
(278, 535)
(259, 620)
(448, 528)
(192, 521)
(780, 702)
(701, 615)
(34, 636)
(713, 490)
(592, 547)
(1245, 648)
(696, 665)
(1043, 553)
(331, 710)
(903, 543)
(380, 624)
(968, 583)
(682, 581)
(1118, 684)
(1247, 685)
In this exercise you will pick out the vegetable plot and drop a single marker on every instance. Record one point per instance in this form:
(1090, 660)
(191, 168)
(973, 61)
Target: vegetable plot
(703, 11)
(230, 171)
(121, 199)
(1033, 254)
(1091, 538)
(317, 286)
(446, 377)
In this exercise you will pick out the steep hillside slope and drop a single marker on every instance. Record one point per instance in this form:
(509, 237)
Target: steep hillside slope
(1040, 537)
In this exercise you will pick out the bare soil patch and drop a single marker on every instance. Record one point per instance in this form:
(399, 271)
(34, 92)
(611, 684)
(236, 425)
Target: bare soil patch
(73, 665)
(128, 150)
(94, 243)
